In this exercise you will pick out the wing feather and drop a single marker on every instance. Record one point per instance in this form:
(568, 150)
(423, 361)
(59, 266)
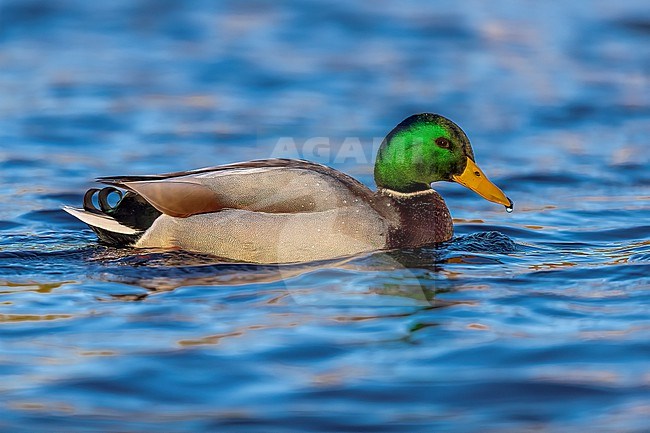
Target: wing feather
(271, 185)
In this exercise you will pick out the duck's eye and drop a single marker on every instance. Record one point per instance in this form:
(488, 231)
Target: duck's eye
(442, 142)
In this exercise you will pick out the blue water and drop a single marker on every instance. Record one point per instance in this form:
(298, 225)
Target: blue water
(537, 320)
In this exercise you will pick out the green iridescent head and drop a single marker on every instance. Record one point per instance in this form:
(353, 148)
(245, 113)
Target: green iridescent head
(426, 148)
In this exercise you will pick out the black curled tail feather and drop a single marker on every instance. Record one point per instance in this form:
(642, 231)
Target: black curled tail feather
(131, 210)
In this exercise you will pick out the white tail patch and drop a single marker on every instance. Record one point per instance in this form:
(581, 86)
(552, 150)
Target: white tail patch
(102, 221)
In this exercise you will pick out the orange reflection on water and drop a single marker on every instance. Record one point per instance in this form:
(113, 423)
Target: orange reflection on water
(38, 406)
(6, 318)
(612, 334)
(560, 265)
(217, 338)
(478, 327)
(31, 287)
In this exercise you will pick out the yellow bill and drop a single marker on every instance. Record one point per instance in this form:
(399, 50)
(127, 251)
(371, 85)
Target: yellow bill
(474, 179)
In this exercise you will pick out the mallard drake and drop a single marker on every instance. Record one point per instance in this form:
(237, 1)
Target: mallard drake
(288, 210)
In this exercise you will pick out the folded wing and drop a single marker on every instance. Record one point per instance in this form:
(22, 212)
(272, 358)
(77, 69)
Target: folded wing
(272, 185)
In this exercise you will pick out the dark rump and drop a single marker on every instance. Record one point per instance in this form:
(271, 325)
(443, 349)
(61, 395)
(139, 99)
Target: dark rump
(131, 210)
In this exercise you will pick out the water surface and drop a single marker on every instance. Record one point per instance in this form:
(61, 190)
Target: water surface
(532, 321)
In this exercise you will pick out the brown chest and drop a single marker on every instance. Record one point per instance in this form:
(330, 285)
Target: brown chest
(418, 219)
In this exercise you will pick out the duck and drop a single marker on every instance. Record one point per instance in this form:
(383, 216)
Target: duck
(276, 211)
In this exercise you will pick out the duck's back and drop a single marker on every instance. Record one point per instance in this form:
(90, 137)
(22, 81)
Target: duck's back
(272, 185)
